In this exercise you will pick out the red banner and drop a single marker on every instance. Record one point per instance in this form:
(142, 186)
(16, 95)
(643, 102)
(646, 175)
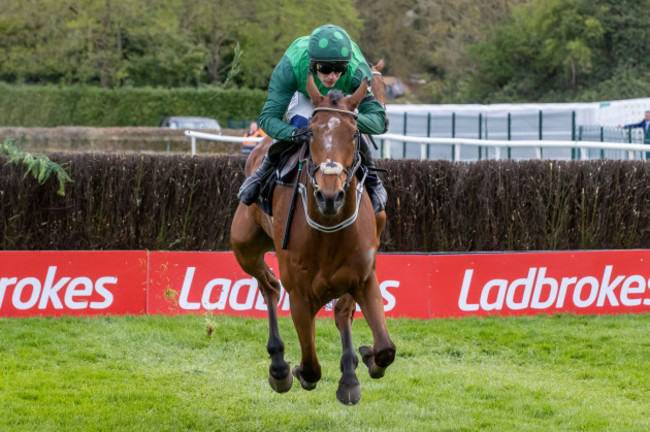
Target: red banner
(72, 283)
(590, 282)
(414, 286)
(186, 282)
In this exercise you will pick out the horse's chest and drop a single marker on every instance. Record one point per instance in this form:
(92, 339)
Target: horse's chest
(342, 276)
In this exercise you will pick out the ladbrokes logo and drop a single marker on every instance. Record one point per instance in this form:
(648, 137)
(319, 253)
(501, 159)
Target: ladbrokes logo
(77, 293)
(244, 295)
(541, 292)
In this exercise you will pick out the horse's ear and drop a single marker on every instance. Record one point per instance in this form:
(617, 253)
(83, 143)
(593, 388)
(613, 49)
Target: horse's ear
(356, 97)
(379, 66)
(314, 94)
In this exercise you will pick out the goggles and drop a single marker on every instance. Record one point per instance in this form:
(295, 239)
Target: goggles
(327, 68)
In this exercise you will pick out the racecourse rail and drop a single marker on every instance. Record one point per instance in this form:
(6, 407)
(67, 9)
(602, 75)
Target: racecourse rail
(581, 147)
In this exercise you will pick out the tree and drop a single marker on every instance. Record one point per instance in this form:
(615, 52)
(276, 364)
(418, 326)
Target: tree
(548, 47)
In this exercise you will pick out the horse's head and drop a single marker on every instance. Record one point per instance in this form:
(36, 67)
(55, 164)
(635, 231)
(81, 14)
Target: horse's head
(334, 146)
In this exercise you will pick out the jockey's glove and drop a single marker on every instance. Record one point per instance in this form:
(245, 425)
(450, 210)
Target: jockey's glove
(301, 135)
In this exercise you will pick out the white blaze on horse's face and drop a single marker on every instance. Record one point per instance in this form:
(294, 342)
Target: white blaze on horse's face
(332, 124)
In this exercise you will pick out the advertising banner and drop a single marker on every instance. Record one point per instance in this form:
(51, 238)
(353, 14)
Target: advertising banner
(52, 283)
(55, 283)
(589, 282)
(187, 282)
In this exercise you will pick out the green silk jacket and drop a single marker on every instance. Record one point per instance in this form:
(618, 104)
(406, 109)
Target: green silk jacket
(290, 75)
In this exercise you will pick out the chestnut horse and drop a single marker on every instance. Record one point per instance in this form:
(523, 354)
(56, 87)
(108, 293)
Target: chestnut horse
(331, 253)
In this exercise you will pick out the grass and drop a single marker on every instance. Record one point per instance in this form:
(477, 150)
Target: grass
(152, 373)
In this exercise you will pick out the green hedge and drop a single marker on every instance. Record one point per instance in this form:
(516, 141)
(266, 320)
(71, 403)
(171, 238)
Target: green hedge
(184, 203)
(50, 106)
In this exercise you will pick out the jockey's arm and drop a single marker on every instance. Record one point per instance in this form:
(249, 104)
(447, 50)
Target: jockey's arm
(372, 116)
(281, 89)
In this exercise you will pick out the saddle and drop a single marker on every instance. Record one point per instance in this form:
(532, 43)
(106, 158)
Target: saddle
(283, 175)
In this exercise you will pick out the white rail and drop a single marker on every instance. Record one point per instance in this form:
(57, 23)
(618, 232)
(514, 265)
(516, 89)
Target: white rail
(457, 143)
(212, 137)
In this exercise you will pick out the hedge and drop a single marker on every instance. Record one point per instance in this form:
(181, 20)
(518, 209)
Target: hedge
(50, 106)
(174, 202)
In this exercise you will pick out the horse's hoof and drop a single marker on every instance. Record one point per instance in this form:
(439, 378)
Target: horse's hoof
(306, 385)
(281, 385)
(368, 357)
(349, 395)
(377, 372)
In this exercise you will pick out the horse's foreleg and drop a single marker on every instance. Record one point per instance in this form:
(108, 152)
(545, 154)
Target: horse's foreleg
(280, 377)
(249, 243)
(349, 391)
(309, 371)
(382, 353)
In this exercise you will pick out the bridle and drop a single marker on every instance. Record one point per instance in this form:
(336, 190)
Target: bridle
(330, 167)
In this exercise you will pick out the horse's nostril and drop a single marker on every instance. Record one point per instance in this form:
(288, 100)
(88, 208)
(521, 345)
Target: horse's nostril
(340, 197)
(319, 196)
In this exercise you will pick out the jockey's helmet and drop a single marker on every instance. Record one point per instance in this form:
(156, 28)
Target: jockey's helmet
(330, 49)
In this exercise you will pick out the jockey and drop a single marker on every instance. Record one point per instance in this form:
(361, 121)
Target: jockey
(336, 63)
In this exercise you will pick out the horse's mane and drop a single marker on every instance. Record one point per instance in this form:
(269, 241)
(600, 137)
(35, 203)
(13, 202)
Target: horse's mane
(335, 96)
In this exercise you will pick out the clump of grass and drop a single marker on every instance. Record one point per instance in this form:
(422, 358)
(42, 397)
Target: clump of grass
(210, 325)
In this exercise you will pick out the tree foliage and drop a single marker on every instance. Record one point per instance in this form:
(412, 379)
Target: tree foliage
(563, 50)
(168, 43)
(463, 50)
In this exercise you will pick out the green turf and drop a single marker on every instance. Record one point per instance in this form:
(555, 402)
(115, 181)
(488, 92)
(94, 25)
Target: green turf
(166, 374)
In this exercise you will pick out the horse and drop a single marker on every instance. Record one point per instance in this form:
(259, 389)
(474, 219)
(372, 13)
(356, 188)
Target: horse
(330, 254)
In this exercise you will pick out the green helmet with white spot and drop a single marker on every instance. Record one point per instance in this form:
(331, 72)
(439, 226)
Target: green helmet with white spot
(329, 43)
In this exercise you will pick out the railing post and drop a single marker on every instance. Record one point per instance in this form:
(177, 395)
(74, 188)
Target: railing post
(428, 133)
(453, 135)
(541, 117)
(573, 133)
(193, 146)
(386, 147)
(509, 134)
(480, 134)
(404, 142)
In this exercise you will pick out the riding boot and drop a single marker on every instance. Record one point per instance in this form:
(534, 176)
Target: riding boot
(250, 189)
(374, 186)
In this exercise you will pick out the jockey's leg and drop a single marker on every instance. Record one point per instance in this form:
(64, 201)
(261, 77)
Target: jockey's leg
(250, 189)
(376, 191)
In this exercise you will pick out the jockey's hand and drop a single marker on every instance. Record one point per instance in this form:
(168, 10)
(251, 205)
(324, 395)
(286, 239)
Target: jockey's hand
(301, 135)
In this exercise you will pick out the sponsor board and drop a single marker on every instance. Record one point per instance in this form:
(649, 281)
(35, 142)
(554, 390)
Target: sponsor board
(589, 282)
(51, 283)
(187, 282)
(55, 283)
